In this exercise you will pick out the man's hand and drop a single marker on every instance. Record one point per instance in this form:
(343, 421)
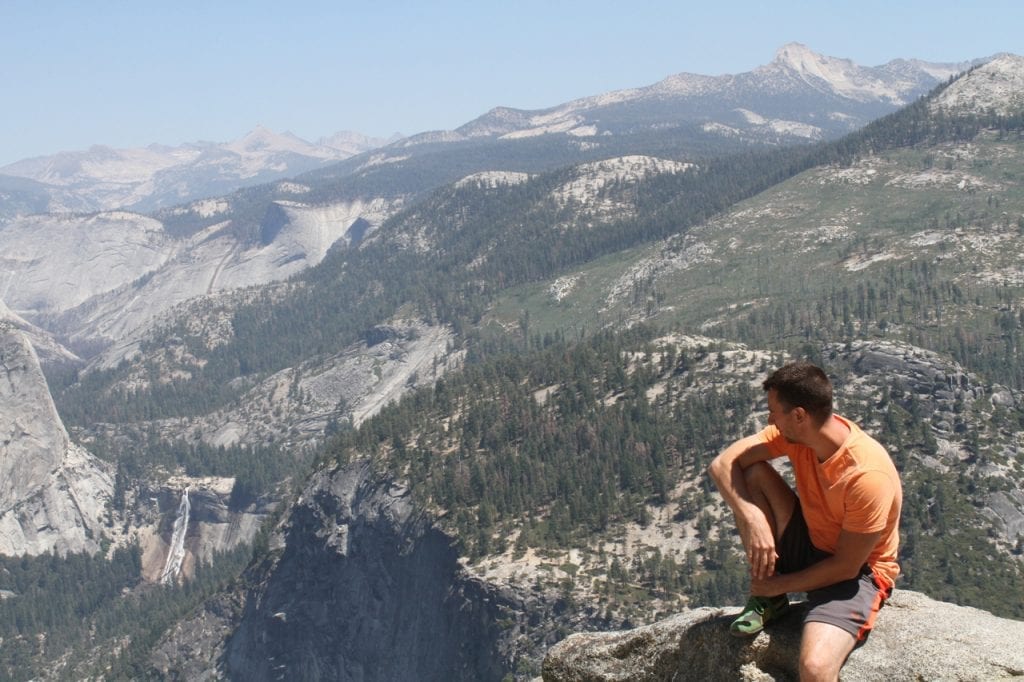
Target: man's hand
(852, 553)
(759, 542)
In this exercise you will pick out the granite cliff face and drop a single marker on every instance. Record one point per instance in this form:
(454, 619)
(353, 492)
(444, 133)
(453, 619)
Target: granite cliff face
(53, 494)
(916, 638)
(47, 348)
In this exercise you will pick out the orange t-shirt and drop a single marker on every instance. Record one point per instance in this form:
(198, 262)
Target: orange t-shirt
(857, 489)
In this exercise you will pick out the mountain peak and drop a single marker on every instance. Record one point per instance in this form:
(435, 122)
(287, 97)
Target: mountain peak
(262, 138)
(842, 76)
(806, 62)
(262, 141)
(352, 143)
(799, 57)
(996, 86)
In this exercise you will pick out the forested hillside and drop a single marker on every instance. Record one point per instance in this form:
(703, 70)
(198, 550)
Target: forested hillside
(564, 444)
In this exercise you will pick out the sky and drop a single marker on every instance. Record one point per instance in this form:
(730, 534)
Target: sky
(130, 73)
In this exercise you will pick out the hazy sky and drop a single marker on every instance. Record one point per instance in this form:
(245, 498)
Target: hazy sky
(130, 73)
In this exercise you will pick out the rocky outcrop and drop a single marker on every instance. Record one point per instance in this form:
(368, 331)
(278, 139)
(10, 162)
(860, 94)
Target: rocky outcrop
(53, 494)
(961, 411)
(916, 638)
(994, 87)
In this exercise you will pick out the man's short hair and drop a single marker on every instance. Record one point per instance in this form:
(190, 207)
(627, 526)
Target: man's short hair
(802, 384)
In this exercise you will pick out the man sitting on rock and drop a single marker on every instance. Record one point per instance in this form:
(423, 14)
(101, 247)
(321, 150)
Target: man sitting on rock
(835, 538)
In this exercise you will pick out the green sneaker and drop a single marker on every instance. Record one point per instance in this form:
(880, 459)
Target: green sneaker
(758, 612)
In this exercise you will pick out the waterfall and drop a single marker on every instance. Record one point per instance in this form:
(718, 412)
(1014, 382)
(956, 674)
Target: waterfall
(176, 553)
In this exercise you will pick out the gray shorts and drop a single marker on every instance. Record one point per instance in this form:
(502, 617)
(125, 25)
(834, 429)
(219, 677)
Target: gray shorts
(851, 605)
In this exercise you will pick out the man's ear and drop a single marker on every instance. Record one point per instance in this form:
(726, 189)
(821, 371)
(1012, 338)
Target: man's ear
(800, 415)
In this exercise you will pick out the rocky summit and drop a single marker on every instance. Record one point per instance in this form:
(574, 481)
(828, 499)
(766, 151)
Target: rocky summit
(916, 638)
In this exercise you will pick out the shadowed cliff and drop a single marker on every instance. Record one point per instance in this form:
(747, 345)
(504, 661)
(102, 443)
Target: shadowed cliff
(364, 590)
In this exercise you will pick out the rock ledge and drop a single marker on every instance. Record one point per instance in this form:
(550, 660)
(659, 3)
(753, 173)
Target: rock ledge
(915, 638)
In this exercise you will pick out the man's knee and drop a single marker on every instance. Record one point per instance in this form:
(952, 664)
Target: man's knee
(771, 493)
(819, 665)
(823, 651)
(760, 476)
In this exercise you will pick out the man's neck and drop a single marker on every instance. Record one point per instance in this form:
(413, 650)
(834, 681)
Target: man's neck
(828, 438)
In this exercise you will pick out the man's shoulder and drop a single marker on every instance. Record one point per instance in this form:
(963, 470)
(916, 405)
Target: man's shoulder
(863, 443)
(868, 455)
(860, 440)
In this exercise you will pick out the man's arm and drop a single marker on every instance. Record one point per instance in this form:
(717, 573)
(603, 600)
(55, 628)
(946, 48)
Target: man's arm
(754, 527)
(868, 501)
(852, 552)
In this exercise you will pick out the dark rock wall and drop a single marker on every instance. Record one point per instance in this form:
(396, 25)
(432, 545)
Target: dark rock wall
(365, 589)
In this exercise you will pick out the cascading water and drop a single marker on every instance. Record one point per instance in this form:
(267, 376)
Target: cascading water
(176, 553)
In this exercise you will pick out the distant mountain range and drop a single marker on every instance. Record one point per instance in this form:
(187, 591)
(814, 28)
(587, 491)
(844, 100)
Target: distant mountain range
(102, 178)
(799, 96)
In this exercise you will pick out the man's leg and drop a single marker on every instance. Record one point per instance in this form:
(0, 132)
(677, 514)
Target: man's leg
(823, 651)
(772, 494)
